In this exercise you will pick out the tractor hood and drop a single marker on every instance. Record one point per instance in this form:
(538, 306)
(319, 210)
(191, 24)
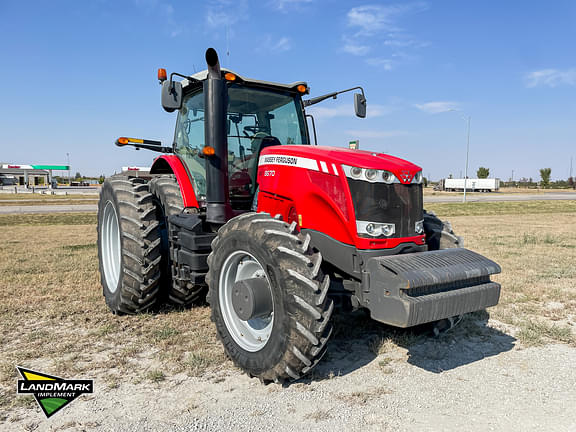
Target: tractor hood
(342, 156)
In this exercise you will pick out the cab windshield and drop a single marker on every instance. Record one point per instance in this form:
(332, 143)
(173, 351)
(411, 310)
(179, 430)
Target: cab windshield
(256, 118)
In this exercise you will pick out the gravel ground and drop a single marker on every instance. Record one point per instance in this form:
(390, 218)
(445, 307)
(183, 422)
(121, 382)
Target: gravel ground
(476, 378)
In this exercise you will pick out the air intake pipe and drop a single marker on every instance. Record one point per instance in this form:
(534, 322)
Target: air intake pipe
(218, 209)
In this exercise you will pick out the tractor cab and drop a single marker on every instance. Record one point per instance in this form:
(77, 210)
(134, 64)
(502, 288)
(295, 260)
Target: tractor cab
(258, 115)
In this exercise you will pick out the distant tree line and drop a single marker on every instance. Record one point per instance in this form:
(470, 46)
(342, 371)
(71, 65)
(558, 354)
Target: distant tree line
(524, 182)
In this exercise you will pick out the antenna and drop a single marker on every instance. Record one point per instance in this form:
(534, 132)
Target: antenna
(227, 49)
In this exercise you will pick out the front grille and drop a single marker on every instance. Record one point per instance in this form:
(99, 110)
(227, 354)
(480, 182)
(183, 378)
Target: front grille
(395, 203)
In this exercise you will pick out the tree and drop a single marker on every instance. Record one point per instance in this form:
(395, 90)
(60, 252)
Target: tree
(101, 179)
(78, 176)
(483, 172)
(572, 182)
(450, 176)
(545, 175)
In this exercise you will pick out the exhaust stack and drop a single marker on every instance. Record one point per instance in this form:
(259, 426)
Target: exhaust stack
(218, 209)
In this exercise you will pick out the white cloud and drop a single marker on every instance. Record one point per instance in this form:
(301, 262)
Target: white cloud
(437, 107)
(347, 110)
(551, 78)
(288, 5)
(374, 18)
(377, 134)
(385, 63)
(355, 48)
(163, 11)
(375, 31)
(276, 46)
(222, 13)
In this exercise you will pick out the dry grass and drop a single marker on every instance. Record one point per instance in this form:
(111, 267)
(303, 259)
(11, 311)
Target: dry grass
(53, 316)
(535, 244)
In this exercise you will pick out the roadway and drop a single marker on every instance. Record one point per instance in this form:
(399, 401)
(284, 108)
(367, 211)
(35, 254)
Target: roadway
(65, 208)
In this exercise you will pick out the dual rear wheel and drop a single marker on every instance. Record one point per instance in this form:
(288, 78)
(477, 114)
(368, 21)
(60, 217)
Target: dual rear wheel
(135, 263)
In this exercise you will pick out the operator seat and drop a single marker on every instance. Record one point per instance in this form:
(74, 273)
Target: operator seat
(258, 145)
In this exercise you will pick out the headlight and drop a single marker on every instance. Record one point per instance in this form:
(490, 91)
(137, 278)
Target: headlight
(388, 229)
(419, 227)
(375, 229)
(356, 172)
(417, 177)
(371, 174)
(388, 177)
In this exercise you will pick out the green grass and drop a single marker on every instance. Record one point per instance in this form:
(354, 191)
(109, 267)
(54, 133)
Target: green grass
(534, 333)
(45, 197)
(40, 219)
(501, 208)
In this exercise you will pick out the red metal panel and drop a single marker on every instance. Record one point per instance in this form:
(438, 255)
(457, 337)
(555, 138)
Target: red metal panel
(179, 170)
(310, 180)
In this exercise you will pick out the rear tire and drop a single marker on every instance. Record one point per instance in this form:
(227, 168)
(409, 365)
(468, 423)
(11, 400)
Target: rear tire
(128, 245)
(176, 290)
(298, 328)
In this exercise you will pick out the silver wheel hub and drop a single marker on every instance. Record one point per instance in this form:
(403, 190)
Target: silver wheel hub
(110, 246)
(252, 334)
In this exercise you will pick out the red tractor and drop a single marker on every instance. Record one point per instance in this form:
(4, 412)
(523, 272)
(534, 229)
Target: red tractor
(244, 212)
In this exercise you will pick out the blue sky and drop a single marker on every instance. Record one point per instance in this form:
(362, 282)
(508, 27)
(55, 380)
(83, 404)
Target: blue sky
(76, 75)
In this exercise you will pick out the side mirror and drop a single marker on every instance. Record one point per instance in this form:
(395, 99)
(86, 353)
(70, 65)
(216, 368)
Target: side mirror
(171, 95)
(360, 105)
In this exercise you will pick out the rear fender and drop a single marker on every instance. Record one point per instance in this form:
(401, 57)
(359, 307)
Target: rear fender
(171, 164)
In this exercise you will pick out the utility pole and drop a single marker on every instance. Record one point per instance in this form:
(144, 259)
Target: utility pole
(68, 162)
(466, 118)
(467, 153)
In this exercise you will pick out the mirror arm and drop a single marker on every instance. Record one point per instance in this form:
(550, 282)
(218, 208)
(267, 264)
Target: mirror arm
(189, 78)
(153, 147)
(333, 95)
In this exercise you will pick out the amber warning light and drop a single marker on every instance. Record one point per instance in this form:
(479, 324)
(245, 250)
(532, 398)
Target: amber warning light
(208, 151)
(162, 75)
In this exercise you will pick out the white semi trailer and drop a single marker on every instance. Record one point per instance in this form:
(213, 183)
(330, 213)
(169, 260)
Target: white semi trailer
(472, 185)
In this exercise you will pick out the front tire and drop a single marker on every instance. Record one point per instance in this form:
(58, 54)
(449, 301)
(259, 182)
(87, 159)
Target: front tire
(439, 234)
(128, 245)
(290, 339)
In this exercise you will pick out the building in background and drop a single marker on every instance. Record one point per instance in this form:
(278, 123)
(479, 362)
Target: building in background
(28, 175)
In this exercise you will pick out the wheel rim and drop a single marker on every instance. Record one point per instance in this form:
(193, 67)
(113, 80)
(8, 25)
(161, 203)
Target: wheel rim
(251, 335)
(111, 248)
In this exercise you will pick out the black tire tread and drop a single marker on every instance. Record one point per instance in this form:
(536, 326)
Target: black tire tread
(140, 272)
(182, 293)
(309, 308)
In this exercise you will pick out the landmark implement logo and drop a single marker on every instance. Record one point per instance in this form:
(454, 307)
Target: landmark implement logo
(51, 392)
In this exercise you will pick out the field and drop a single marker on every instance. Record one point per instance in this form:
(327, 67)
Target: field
(53, 317)
(29, 199)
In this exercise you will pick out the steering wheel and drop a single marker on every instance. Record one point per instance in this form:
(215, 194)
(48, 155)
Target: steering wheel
(255, 129)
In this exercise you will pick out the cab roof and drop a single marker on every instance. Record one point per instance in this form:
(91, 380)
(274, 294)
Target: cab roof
(202, 75)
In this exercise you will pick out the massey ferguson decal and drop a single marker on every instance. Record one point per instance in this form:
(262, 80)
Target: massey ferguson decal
(295, 161)
(405, 176)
